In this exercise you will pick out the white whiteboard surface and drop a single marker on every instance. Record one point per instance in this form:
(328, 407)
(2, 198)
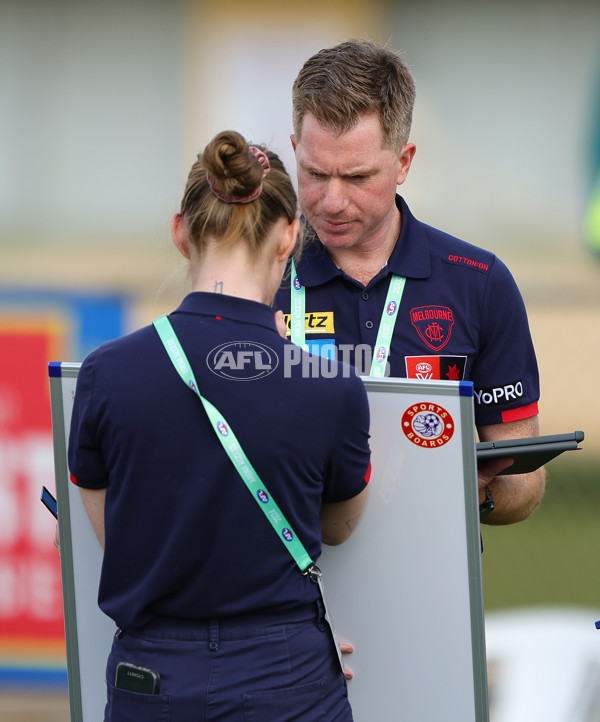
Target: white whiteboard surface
(405, 590)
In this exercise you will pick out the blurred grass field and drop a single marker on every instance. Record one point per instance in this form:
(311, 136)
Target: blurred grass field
(549, 559)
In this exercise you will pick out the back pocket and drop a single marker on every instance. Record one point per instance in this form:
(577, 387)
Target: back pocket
(302, 703)
(126, 706)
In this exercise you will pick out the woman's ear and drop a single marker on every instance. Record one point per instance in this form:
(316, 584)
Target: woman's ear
(288, 240)
(180, 236)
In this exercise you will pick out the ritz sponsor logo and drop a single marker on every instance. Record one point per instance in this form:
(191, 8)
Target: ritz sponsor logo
(314, 322)
(427, 425)
(242, 360)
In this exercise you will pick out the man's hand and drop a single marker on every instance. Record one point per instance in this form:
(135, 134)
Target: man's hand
(488, 470)
(515, 495)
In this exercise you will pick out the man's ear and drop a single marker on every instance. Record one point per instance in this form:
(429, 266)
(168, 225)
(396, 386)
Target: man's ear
(293, 139)
(180, 236)
(406, 156)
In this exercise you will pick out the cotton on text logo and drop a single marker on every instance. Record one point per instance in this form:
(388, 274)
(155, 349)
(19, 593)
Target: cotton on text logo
(469, 262)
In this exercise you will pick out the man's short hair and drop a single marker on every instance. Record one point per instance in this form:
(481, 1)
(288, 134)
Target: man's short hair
(355, 78)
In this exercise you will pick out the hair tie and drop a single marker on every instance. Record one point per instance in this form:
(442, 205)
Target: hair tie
(262, 158)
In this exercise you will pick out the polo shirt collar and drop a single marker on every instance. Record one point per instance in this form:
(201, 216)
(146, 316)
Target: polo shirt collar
(409, 258)
(229, 307)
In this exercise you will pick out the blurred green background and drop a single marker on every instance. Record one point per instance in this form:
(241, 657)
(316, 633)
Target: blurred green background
(549, 559)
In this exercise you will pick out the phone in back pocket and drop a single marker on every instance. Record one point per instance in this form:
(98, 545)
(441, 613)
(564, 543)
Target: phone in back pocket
(137, 679)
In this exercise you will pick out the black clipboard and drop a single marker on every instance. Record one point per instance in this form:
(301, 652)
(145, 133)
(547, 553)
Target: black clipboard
(529, 453)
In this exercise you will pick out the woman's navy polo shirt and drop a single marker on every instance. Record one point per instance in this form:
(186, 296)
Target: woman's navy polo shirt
(184, 537)
(461, 317)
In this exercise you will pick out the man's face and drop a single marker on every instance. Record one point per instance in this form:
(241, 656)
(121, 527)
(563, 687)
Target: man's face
(347, 183)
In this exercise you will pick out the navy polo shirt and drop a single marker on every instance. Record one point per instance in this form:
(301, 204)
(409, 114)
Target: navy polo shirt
(461, 317)
(184, 537)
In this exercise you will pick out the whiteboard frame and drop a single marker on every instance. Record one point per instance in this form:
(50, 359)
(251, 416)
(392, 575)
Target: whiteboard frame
(89, 632)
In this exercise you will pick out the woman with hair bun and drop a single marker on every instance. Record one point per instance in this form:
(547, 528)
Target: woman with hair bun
(213, 458)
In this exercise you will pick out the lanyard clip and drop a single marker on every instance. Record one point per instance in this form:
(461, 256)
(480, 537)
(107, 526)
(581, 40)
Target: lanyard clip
(313, 573)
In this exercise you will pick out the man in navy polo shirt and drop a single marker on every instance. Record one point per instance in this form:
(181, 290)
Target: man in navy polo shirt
(452, 310)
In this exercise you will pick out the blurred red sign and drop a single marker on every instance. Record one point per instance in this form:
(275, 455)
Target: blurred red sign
(30, 581)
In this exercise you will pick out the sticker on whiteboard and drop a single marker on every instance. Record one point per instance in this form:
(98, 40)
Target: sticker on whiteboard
(427, 425)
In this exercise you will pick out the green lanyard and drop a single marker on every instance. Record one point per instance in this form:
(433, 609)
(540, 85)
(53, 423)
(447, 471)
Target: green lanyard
(386, 325)
(235, 452)
(297, 311)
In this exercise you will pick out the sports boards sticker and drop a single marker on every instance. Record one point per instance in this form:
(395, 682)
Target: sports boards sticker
(427, 425)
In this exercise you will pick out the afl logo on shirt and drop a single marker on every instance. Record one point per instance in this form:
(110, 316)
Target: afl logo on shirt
(287, 534)
(242, 360)
(381, 354)
(262, 496)
(427, 425)
(424, 370)
(222, 428)
(391, 309)
(448, 368)
(297, 284)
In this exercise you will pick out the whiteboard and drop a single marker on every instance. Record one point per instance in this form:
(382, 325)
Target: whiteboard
(405, 589)
(88, 631)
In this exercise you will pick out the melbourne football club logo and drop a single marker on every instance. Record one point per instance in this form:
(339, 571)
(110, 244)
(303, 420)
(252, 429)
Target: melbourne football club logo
(433, 324)
(428, 425)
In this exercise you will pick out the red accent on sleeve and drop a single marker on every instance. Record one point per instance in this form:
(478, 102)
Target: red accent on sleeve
(73, 479)
(368, 474)
(524, 412)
